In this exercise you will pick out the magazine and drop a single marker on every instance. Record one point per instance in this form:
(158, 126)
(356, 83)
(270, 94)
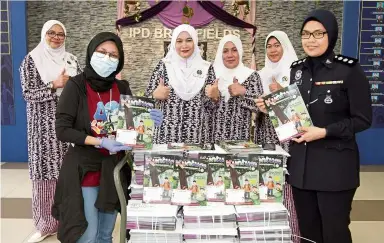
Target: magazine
(134, 116)
(287, 112)
(244, 176)
(192, 185)
(159, 178)
(190, 146)
(217, 176)
(238, 146)
(271, 177)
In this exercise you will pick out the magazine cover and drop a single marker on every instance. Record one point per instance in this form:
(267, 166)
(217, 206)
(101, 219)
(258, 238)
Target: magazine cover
(287, 112)
(190, 146)
(218, 179)
(244, 176)
(159, 178)
(192, 182)
(134, 116)
(271, 177)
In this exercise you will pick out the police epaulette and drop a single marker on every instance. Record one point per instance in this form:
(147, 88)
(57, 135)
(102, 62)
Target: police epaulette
(346, 60)
(295, 63)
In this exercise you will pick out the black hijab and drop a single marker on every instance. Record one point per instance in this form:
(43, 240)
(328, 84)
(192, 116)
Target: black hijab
(328, 20)
(98, 83)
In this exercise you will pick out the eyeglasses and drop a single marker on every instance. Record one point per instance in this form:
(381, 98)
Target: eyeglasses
(316, 34)
(103, 54)
(53, 34)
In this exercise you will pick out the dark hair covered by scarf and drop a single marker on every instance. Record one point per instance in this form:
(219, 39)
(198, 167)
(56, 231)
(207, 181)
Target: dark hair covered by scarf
(328, 20)
(98, 83)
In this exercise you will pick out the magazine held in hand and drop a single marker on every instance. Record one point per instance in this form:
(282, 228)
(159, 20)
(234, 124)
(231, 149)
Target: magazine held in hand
(287, 112)
(135, 126)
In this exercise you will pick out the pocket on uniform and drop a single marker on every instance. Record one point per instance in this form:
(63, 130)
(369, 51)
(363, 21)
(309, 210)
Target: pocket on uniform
(340, 145)
(333, 98)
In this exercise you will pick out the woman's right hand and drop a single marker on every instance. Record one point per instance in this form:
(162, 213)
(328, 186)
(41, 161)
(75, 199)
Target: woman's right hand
(61, 80)
(162, 91)
(212, 90)
(261, 105)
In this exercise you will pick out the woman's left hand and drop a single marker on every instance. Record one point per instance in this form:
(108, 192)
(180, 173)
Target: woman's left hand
(156, 116)
(236, 89)
(310, 134)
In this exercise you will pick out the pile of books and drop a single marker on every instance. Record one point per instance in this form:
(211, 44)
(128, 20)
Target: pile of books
(267, 222)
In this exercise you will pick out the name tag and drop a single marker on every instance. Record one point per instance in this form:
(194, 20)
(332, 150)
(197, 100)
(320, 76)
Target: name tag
(329, 82)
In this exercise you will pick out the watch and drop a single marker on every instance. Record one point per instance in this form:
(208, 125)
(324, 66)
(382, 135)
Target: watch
(50, 85)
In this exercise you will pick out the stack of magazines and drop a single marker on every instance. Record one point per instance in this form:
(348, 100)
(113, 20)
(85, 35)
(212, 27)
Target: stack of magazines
(216, 223)
(211, 235)
(269, 234)
(208, 217)
(265, 214)
(137, 177)
(267, 222)
(151, 236)
(143, 216)
(241, 147)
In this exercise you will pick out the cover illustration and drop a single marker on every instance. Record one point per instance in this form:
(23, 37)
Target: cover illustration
(287, 112)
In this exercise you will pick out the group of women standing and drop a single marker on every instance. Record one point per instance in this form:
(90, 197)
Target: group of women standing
(198, 102)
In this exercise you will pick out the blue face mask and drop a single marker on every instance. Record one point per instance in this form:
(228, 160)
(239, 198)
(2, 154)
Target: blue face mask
(103, 65)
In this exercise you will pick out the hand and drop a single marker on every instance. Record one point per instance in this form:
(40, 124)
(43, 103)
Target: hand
(156, 116)
(310, 134)
(113, 146)
(274, 86)
(162, 91)
(212, 90)
(61, 81)
(261, 105)
(236, 89)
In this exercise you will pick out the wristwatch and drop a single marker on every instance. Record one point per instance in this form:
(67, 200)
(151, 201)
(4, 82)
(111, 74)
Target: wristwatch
(50, 85)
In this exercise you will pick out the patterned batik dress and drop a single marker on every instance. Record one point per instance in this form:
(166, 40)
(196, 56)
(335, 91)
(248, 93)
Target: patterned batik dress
(184, 121)
(232, 118)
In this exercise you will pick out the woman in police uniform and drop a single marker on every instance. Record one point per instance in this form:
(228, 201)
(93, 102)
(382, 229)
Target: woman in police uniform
(324, 163)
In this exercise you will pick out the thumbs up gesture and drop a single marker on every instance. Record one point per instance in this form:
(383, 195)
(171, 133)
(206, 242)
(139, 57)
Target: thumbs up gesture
(212, 90)
(61, 80)
(236, 89)
(274, 86)
(162, 91)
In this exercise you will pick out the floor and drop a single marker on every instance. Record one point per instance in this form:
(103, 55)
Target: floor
(367, 214)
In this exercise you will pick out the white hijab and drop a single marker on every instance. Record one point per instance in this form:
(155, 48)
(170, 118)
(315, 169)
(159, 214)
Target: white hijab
(226, 75)
(280, 70)
(186, 75)
(51, 62)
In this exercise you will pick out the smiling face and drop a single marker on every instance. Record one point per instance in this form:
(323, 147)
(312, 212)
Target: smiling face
(55, 36)
(274, 50)
(184, 45)
(314, 47)
(231, 57)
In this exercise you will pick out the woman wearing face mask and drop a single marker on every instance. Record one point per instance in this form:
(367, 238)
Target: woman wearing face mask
(324, 163)
(274, 76)
(44, 72)
(86, 201)
(177, 84)
(233, 90)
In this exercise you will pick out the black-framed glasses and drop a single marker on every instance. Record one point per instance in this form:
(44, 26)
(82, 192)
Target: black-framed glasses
(53, 34)
(316, 34)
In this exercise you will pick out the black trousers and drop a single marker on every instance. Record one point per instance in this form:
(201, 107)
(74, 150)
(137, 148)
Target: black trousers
(324, 216)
